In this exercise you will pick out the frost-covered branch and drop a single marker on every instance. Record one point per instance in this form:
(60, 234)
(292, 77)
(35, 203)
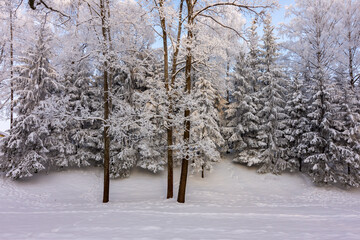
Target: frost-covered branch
(250, 8)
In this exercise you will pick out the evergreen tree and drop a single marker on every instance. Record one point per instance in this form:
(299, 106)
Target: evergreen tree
(272, 114)
(296, 124)
(29, 145)
(152, 105)
(82, 94)
(318, 145)
(206, 132)
(245, 138)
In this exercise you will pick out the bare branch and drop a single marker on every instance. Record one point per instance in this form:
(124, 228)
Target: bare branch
(224, 26)
(251, 8)
(18, 6)
(32, 6)
(5, 102)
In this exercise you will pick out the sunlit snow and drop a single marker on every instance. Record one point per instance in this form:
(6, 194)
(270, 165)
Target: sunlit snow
(233, 202)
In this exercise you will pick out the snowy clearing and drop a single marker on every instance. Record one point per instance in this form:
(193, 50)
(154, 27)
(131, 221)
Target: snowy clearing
(233, 202)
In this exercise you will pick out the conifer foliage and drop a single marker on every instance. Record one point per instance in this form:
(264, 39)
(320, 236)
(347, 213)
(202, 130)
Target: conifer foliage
(31, 143)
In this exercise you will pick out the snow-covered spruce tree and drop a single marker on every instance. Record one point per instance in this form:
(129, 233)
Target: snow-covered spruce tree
(246, 139)
(296, 124)
(138, 116)
(124, 130)
(324, 144)
(82, 103)
(152, 113)
(346, 122)
(272, 103)
(319, 147)
(231, 113)
(26, 149)
(206, 138)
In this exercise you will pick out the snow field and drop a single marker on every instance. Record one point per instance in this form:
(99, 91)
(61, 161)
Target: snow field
(232, 202)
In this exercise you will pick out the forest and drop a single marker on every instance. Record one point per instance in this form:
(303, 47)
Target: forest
(178, 84)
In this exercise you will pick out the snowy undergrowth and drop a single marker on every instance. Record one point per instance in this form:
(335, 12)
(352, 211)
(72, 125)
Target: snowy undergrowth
(233, 202)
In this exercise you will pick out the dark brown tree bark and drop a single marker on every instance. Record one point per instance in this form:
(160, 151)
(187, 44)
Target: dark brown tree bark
(170, 178)
(32, 4)
(104, 24)
(188, 66)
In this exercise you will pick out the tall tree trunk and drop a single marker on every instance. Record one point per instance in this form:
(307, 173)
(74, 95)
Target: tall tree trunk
(170, 178)
(111, 67)
(11, 66)
(104, 25)
(188, 66)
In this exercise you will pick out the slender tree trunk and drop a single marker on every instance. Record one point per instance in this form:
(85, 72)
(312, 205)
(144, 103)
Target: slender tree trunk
(351, 68)
(11, 66)
(177, 47)
(188, 66)
(202, 171)
(170, 178)
(106, 105)
(111, 67)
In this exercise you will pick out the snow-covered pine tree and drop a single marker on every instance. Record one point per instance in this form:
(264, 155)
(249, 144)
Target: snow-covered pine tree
(319, 147)
(322, 145)
(246, 139)
(296, 124)
(152, 114)
(124, 130)
(27, 147)
(346, 122)
(138, 115)
(82, 98)
(272, 114)
(231, 113)
(206, 135)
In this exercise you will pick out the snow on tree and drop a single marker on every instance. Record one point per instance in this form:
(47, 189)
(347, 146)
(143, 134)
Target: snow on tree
(124, 129)
(296, 124)
(319, 146)
(82, 108)
(26, 149)
(206, 138)
(272, 101)
(349, 38)
(152, 114)
(346, 122)
(324, 144)
(245, 139)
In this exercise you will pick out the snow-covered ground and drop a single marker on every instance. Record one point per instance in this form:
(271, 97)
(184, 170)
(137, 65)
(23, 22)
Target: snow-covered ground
(233, 202)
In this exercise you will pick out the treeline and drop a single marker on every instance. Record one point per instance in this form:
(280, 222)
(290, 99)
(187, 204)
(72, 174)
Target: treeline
(85, 85)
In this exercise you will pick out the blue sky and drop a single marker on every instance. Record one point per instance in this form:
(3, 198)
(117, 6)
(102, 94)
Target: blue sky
(279, 15)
